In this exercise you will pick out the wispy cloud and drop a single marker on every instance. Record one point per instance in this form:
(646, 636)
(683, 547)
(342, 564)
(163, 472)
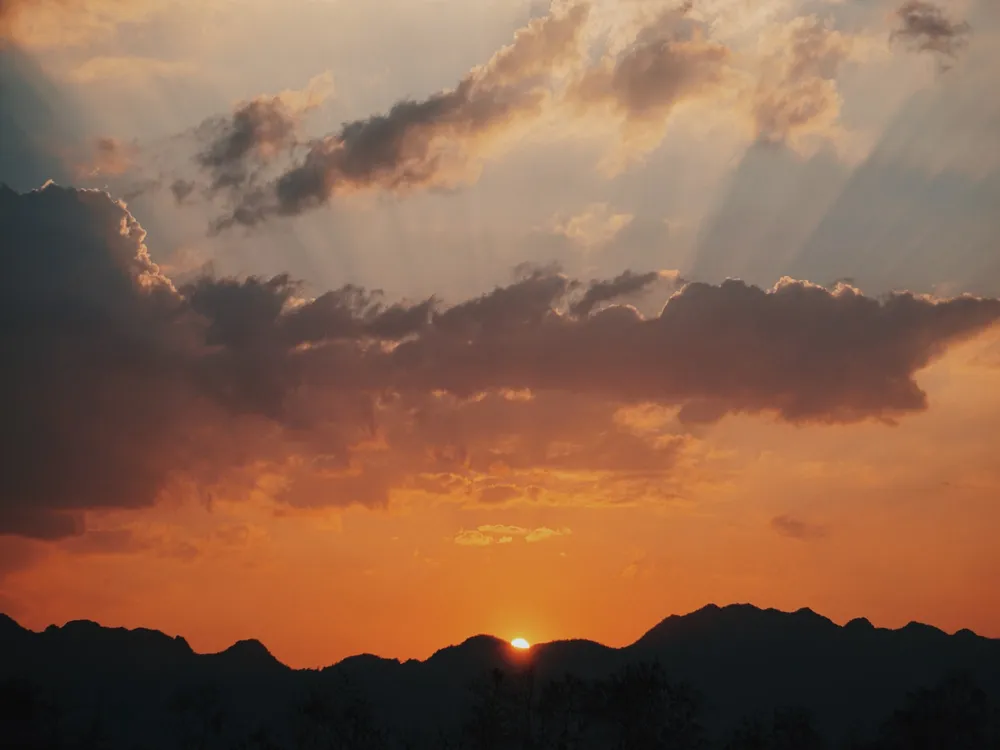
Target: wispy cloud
(490, 534)
(795, 528)
(797, 93)
(131, 70)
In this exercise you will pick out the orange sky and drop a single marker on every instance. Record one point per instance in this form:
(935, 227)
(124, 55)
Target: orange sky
(896, 523)
(533, 456)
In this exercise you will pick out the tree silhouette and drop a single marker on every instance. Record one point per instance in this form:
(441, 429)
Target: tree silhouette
(955, 714)
(29, 717)
(562, 718)
(642, 710)
(338, 720)
(490, 723)
(199, 714)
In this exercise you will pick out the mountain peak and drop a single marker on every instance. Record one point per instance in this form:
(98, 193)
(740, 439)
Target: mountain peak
(249, 652)
(735, 617)
(860, 623)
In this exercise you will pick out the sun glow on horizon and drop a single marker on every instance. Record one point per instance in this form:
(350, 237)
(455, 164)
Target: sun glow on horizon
(520, 643)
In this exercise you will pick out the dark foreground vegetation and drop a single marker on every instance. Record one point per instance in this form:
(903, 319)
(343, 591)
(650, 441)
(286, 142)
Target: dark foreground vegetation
(729, 679)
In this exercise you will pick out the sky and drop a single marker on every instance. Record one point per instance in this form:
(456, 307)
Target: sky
(370, 326)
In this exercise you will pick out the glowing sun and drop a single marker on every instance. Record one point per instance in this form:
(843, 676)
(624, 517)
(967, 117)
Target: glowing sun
(520, 643)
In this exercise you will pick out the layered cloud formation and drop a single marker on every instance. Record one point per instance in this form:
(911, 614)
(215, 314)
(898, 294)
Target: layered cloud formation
(121, 386)
(258, 161)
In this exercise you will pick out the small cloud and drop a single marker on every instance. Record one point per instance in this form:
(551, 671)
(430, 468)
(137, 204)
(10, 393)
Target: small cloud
(181, 189)
(110, 157)
(924, 27)
(794, 528)
(484, 536)
(543, 533)
(595, 226)
(637, 566)
(501, 529)
(621, 286)
(474, 538)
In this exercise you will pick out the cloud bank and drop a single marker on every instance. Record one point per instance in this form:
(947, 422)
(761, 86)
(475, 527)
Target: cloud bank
(122, 386)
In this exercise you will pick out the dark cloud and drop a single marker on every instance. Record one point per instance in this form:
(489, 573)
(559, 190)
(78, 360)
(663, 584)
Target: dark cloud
(924, 27)
(794, 528)
(434, 141)
(669, 61)
(799, 350)
(240, 145)
(181, 189)
(797, 90)
(119, 385)
(605, 291)
(87, 399)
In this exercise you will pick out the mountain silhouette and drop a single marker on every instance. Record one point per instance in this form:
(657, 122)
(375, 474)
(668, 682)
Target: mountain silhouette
(145, 689)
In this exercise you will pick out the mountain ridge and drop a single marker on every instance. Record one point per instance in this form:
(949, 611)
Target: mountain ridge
(670, 624)
(745, 661)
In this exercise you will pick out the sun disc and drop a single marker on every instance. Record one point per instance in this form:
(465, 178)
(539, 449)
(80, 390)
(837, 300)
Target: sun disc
(520, 643)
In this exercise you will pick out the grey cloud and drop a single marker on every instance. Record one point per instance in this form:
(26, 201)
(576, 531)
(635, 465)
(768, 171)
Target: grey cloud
(738, 347)
(924, 27)
(243, 142)
(605, 291)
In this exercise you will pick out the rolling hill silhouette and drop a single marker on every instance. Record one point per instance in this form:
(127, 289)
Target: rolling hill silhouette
(142, 688)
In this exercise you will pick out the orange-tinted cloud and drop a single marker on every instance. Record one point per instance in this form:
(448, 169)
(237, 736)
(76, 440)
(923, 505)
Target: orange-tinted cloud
(125, 387)
(137, 71)
(110, 157)
(796, 92)
(668, 61)
(51, 23)
(484, 536)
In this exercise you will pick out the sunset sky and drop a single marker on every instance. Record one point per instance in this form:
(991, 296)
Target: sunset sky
(370, 325)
